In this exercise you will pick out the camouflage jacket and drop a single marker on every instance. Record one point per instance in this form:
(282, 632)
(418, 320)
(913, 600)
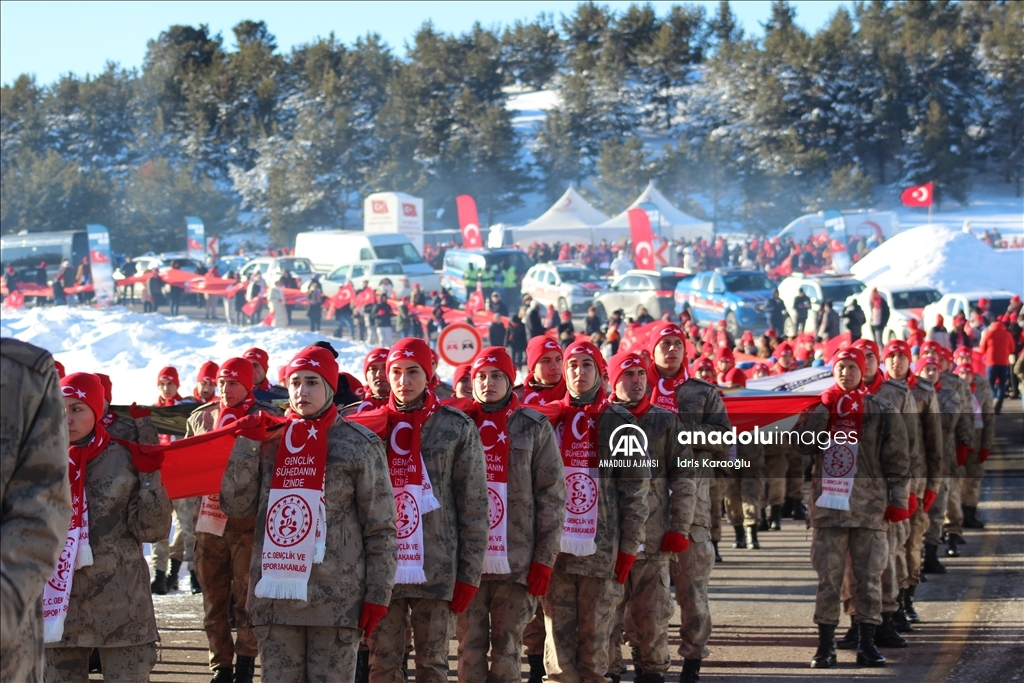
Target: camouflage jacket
(361, 546)
(536, 495)
(701, 409)
(898, 394)
(110, 603)
(700, 527)
(621, 507)
(963, 428)
(139, 430)
(984, 436)
(882, 467)
(36, 501)
(950, 409)
(454, 537)
(929, 434)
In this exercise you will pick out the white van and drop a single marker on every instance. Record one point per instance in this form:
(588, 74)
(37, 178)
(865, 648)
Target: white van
(329, 249)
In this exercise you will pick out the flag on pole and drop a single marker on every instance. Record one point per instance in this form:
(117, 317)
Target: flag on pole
(918, 195)
(643, 239)
(469, 221)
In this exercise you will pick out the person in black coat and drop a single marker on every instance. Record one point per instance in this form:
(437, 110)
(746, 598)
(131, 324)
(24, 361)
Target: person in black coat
(517, 341)
(776, 311)
(497, 334)
(534, 323)
(592, 323)
(855, 319)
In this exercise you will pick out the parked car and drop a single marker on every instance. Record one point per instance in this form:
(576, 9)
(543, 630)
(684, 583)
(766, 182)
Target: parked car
(952, 304)
(329, 249)
(227, 264)
(905, 302)
(567, 287)
(271, 267)
(636, 289)
(376, 272)
(456, 261)
(736, 295)
(163, 263)
(819, 289)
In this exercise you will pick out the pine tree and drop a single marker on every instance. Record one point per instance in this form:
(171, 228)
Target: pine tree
(622, 172)
(531, 52)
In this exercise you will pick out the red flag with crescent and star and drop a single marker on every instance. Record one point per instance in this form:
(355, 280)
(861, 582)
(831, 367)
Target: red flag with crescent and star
(469, 221)
(919, 195)
(643, 239)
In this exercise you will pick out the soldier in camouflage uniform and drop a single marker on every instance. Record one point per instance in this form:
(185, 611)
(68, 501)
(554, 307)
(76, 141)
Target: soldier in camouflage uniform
(222, 562)
(776, 464)
(454, 536)
(35, 499)
(645, 612)
(316, 639)
(110, 606)
(877, 493)
(984, 434)
(534, 512)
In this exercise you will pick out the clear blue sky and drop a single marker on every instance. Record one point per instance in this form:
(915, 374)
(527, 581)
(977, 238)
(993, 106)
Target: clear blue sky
(53, 38)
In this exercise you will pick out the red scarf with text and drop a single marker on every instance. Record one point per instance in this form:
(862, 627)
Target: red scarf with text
(839, 461)
(493, 428)
(578, 431)
(535, 393)
(663, 391)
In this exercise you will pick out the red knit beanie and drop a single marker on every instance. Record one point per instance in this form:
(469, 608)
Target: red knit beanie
(87, 388)
(208, 372)
(258, 355)
(585, 348)
(108, 387)
(315, 359)
(495, 357)
(239, 370)
(621, 362)
(377, 355)
(537, 347)
(169, 374)
(411, 348)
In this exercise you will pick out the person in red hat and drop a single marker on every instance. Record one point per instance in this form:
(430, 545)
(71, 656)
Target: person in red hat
(545, 383)
(118, 503)
(997, 346)
(938, 333)
(330, 476)
(224, 546)
(376, 390)
(760, 371)
(462, 380)
(167, 382)
(860, 485)
(260, 360)
(703, 369)
(526, 493)
(983, 409)
(785, 360)
(643, 616)
(436, 462)
(926, 471)
(206, 383)
(915, 335)
(960, 336)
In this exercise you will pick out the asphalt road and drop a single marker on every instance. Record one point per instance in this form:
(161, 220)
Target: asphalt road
(972, 625)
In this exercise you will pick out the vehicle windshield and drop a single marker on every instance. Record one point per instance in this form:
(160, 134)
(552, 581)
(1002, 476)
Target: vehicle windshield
(296, 266)
(388, 269)
(917, 298)
(404, 253)
(520, 260)
(669, 282)
(841, 292)
(339, 275)
(578, 275)
(746, 282)
(995, 306)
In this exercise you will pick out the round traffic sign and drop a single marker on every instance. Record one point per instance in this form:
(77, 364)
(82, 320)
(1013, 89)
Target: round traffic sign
(459, 343)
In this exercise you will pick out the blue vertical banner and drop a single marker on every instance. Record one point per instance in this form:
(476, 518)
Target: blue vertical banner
(101, 265)
(196, 238)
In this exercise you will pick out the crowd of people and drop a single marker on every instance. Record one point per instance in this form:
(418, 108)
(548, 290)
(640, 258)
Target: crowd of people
(496, 512)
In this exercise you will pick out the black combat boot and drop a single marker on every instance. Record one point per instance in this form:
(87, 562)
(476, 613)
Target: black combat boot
(537, 671)
(799, 511)
(637, 669)
(867, 653)
(159, 585)
(971, 520)
(741, 541)
(787, 507)
(825, 655)
(691, 671)
(172, 577)
(908, 605)
(362, 667)
(193, 581)
(763, 524)
(614, 678)
(751, 538)
(649, 678)
(899, 617)
(245, 667)
(848, 641)
(718, 557)
(776, 520)
(951, 543)
(886, 636)
(931, 563)
(95, 665)
(222, 674)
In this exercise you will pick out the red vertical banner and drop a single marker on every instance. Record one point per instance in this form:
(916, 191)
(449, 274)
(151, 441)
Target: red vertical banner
(469, 222)
(643, 239)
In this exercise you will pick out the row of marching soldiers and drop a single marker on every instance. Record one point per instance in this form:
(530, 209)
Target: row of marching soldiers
(342, 551)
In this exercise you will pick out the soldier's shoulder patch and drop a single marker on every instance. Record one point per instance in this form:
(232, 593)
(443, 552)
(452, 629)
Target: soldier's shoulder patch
(461, 415)
(532, 414)
(883, 405)
(898, 385)
(32, 357)
(358, 429)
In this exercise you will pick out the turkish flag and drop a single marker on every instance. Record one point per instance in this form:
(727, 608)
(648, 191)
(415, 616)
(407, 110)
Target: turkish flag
(919, 195)
(469, 222)
(643, 239)
(344, 296)
(475, 302)
(365, 297)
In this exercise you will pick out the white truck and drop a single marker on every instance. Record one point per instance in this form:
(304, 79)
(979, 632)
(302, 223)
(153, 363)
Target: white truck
(329, 249)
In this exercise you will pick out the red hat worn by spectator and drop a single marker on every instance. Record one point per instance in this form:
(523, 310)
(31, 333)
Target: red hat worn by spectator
(924, 361)
(724, 353)
(354, 385)
(495, 357)
(377, 355)
(963, 367)
(763, 367)
(585, 348)
(866, 345)
(208, 372)
(931, 346)
(258, 355)
(783, 348)
(239, 370)
(702, 363)
(412, 349)
(664, 329)
(108, 386)
(912, 325)
(315, 359)
(721, 323)
(939, 321)
(169, 374)
(621, 362)
(462, 370)
(87, 388)
(850, 353)
(962, 351)
(896, 346)
(60, 368)
(736, 377)
(771, 332)
(566, 315)
(537, 347)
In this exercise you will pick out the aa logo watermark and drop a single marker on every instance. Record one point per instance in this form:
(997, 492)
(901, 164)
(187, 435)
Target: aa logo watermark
(628, 441)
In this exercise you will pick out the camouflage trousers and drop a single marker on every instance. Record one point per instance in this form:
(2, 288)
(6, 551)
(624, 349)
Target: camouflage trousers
(868, 552)
(690, 571)
(579, 612)
(222, 566)
(937, 514)
(534, 633)
(716, 491)
(318, 654)
(953, 522)
(643, 617)
(494, 620)
(131, 664)
(744, 493)
(894, 575)
(915, 541)
(795, 476)
(431, 632)
(974, 472)
(776, 467)
(183, 546)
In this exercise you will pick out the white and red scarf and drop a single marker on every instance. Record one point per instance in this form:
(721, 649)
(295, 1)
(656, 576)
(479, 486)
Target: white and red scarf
(211, 519)
(663, 391)
(410, 484)
(370, 402)
(296, 526)
(535, 393)
(577, 431)
(493, 429)
(839, 461)
(76, 553)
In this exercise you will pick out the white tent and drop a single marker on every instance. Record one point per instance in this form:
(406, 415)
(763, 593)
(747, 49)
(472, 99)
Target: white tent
(570, 211)
(674, 223)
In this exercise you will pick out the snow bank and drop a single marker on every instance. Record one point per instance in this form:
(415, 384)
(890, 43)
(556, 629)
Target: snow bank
(132, 347)
(948, 260)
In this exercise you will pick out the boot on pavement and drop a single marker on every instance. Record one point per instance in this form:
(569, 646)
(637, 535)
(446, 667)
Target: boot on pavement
(193, 581)
(691, 671)
(245, 667)
(172, 576)
(899, 617)
(637, 669)
(799, 511)
(650, 678)
(537, 671)
(159, 585)
(849, 640)
(951, 543)
(751, 538)
(718, 557)
(886, 636)
(741, 540)
(931, 563)
(787, 507)
(362, 667)
(222, 675)
(825, 655)
(776, 521)
(908, 605)
(971, 520)
(763, 524)
(867, 653)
